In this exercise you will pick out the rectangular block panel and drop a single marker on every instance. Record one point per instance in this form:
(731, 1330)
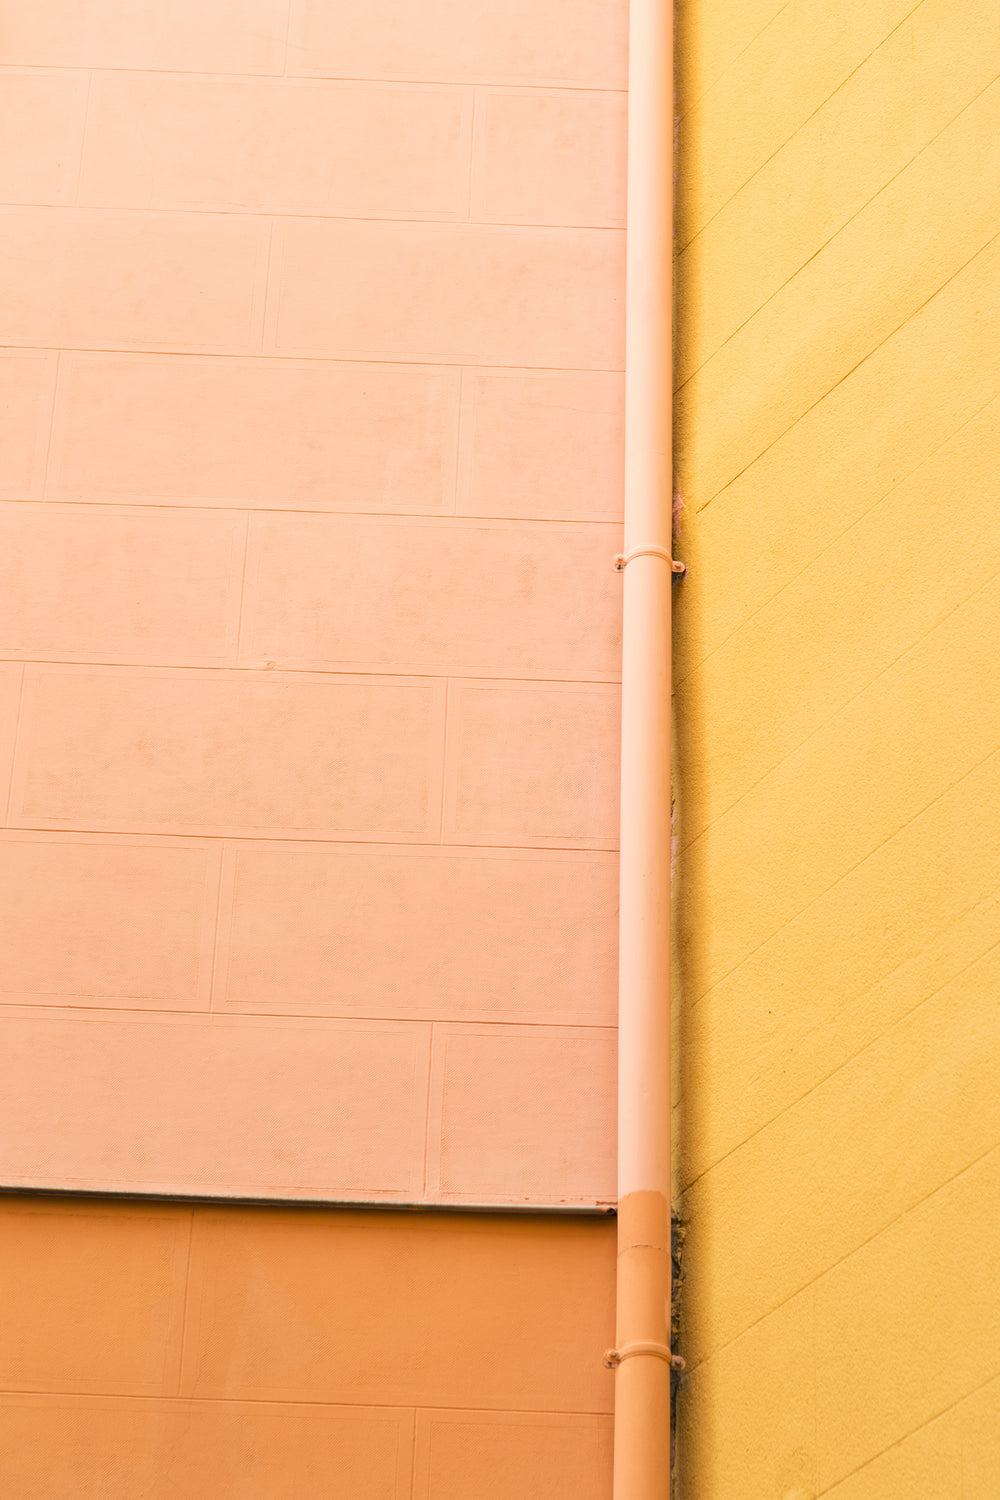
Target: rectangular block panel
(542, 445)
(93, 1297)
(120, 1449)
(522, 1115)
(162, 141)
(94, 279)
(549, 158)
(192, 1105)
(459, 1454)
(200, 752)
(90, 583)
(274, 433)
(430, 934)
(397, 1309)
(27, 392)
(533, 765)
(560, 42)
(336, 592)
(469, 293)
(93, 921)
(41, 135)
(230, 36)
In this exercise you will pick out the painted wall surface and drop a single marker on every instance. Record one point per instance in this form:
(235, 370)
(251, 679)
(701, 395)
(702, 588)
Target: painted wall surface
(838, 283)
(311, 484)
(180, 1353)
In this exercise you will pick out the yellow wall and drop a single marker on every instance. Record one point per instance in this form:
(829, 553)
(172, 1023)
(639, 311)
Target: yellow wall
(837, 283)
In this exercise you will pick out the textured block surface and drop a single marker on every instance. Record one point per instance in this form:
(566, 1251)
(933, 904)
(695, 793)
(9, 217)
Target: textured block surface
(89, 280)
(227, 36)
(117, 1448)
(335, 1313)
(160, 141)
(533, 765)
(280, 435)
(544, 445)
(120, 584)
(202, 753)
(336, 593)
(108, 921)
(556, 42)
(435, 934)
(550, 157)
(520, 1116)
(347, 1309)
(322, 1110)
(474, 294)
(95, 1297)
(468, 1453)
(310, 490)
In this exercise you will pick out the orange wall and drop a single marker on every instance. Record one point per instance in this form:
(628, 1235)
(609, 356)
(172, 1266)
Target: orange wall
(172, 1351)
(310, 491)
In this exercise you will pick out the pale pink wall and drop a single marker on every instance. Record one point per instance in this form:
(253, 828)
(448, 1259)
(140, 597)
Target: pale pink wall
(310, 479)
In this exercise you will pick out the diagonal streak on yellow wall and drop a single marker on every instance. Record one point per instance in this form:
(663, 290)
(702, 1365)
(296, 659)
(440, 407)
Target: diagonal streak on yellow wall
(838, 875)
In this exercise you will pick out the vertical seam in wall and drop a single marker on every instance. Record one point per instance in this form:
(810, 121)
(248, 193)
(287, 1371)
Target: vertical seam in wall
(473, 133)
(427, 1117)
(214, 966)
(459, 426)
(13, 751)
(413, 1456)
(83, 135)
(444, 759)
(267, 286)
(288, 37)
(52, 426)
(184, 1309)
(243, 589)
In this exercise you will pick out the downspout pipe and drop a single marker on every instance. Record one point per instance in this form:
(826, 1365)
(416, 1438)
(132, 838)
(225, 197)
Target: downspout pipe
(642, 1357)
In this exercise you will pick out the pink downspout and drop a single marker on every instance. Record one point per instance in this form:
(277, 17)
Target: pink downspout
(642, 1355)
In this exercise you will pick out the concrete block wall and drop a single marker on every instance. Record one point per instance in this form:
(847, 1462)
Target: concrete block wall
(309, 494)
(175, 1351)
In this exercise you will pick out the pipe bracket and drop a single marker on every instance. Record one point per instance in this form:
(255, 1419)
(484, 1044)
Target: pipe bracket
(614, 1357)
(624, 558)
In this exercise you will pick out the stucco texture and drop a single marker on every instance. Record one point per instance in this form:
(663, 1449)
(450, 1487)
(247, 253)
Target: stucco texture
(838, 865)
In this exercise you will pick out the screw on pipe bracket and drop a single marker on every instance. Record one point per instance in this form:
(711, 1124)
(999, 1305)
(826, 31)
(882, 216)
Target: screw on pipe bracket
(613, 1357)
(624, 558)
